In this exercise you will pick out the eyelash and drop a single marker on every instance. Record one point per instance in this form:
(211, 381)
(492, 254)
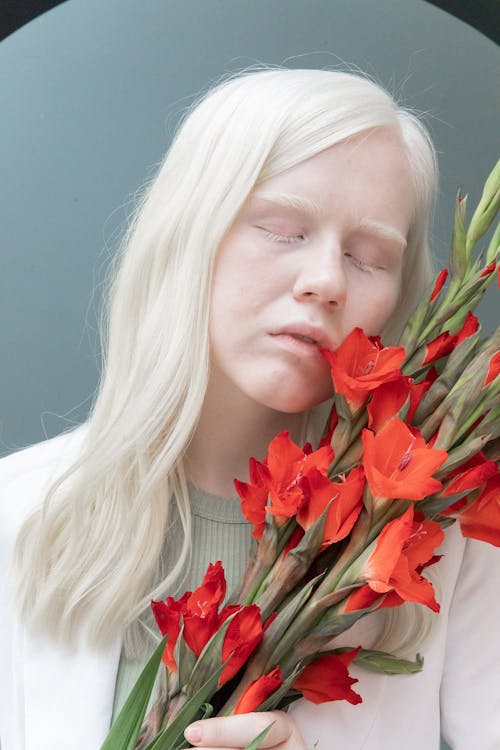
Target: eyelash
(360, 264)
(290, 239)
(286, 238)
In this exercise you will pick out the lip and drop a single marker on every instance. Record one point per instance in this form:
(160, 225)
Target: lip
(296, 346)
(320, 340)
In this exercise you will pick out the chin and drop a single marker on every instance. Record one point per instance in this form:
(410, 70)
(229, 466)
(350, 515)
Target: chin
(287, 402)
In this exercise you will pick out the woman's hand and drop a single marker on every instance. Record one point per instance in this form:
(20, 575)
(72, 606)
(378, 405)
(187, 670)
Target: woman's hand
(236, 732)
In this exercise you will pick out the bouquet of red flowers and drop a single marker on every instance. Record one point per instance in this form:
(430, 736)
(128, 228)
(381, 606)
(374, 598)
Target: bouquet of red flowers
(411, 446)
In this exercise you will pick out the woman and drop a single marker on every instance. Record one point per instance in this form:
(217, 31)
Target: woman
(291, 207)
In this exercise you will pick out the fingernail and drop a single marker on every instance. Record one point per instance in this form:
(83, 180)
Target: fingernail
(193, 733)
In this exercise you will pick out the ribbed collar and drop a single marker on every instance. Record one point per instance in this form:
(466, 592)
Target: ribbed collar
(215, 508)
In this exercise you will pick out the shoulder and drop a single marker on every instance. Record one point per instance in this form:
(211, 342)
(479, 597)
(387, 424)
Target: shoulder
(26, 475)
(41, 454)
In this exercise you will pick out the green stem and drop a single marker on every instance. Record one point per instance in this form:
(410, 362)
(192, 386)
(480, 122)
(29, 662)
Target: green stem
(259, 586)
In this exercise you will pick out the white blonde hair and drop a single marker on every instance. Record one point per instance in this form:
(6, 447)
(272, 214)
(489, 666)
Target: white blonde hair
(91, 553)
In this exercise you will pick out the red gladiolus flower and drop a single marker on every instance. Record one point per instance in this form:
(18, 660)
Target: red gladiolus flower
(481, 520)
(489, 269)
(493, 369)
(346, 503)
(389, 398)
(199, 629)
(439, 347)
(446, 342)
(201, 618)
(470, 326)
(199, 610)
(440, 281)
(276, 482)
(243, 635)
(285, 459)
(327, 679)
(399, 464)
(253, 500)
(417, 392)
(211, 592)
(294, 540)
(361, 598)
(470, 475)
(364, 597)
(361, 364)
(168, 616)
(403, 548)
(258, 691)
(386, 402)
(228, 610)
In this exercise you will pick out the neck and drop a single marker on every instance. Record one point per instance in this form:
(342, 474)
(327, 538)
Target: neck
(231, 428)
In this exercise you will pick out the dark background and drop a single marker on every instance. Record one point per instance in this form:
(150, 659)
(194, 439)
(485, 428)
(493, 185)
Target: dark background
(484, 15)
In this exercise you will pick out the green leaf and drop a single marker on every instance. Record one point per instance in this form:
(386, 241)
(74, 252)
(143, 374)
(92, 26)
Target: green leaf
(288, 699)
(458, 254)
(333, 623)
(494, 246)
(125, 730)
(380, 661)
(207, 709)
(254, 744)
(172, 737)
(308, 547)
(185, 658)
(275, 635)
(343, 411)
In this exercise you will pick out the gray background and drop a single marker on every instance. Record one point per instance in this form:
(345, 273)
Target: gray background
(91, 92)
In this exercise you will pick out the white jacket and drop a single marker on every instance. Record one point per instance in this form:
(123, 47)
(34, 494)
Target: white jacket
(54, 699)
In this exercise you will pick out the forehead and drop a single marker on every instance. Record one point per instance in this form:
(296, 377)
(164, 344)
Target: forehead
(379, 152)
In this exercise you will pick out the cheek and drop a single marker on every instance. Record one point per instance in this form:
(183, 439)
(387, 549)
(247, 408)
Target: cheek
(240, 282)
(388, 304)
(376, 306)
(227, 290)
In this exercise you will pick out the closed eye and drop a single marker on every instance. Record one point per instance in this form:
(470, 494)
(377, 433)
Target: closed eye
(361, 264)
(286, 238)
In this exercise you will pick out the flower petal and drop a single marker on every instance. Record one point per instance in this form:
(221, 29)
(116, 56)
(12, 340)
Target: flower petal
(361, 364)
(258, 691)
(243, 635)
(399, 464)
(327, 679)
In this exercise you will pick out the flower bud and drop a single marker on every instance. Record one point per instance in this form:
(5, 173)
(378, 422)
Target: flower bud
(486, 210)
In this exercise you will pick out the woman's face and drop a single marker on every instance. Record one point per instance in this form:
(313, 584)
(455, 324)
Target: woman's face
(314, 252)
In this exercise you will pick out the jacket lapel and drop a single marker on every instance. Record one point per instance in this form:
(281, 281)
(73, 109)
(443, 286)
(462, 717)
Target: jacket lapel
(68, 694)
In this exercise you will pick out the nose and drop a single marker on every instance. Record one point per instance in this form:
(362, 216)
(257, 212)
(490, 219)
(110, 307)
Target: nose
(322, 279)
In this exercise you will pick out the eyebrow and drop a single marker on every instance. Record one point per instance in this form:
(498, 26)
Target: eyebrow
(291, 200)
(383, 230)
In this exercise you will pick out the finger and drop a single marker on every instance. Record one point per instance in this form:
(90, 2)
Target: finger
(230, 731)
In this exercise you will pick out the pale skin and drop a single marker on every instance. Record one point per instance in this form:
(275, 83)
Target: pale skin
(314, 252)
